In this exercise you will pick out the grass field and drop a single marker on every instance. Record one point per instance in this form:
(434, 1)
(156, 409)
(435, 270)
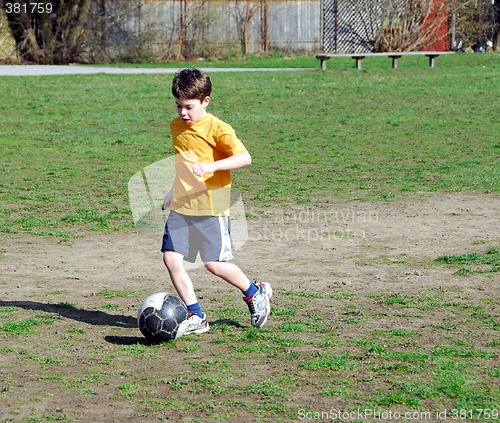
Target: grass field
(407, 352)
(70, 143)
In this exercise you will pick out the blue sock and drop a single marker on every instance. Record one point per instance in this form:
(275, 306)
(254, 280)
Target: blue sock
(195, 309)
(251, 290)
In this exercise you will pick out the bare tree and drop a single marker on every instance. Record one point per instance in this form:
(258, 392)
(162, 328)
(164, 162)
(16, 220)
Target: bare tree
(48, 31)
(183, 25)
(265, 24)
(115, 29)
(192, 22)
(243, 16)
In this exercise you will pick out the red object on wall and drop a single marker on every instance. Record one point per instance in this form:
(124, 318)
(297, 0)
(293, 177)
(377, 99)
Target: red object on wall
(434, 27)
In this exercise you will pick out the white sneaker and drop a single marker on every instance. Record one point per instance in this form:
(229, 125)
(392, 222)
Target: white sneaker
(195, 324)
(260, 304)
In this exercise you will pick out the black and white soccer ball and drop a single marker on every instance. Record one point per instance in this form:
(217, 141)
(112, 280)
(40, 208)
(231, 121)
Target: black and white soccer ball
(161, 316)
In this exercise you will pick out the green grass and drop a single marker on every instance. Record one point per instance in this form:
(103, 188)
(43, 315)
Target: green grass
(110, 293)
(471, 263)
(24, 325)
(377, 134)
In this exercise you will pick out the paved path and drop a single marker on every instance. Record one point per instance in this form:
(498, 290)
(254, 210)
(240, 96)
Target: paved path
(33, 70)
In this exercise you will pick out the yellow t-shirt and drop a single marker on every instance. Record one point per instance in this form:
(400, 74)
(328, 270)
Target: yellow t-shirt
(207, 140)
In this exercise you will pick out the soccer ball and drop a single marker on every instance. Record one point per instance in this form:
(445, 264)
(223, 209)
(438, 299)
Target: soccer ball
(160, 317)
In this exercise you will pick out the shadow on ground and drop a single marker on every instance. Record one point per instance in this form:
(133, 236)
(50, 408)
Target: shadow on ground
(92, 317)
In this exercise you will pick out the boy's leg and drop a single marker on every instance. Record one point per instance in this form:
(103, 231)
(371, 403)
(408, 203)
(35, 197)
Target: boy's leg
(230, 272)
(197, 321)
(176, 247)
(260, 294)
(215, 251)
(180, 278)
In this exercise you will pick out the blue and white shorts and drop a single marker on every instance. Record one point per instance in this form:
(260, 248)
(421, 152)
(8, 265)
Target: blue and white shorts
(190, 235)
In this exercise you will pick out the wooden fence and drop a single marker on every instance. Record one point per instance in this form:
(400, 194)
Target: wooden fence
(173, 29)
(204, 28)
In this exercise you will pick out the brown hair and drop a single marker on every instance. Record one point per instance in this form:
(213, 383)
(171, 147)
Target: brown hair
(191, 84)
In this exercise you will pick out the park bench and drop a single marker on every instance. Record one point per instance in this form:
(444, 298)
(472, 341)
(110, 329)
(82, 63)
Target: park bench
(395, 55)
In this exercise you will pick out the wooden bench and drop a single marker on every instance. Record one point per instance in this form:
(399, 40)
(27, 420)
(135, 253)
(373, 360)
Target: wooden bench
(323, 57)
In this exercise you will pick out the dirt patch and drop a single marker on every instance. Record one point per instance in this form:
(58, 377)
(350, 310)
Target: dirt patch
(351, 248)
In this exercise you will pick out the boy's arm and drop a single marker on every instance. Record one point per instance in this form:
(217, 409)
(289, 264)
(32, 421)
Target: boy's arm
(230, 163)
(168, 196)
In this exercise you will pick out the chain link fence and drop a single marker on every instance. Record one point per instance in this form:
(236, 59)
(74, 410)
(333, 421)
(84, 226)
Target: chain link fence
(355, 26)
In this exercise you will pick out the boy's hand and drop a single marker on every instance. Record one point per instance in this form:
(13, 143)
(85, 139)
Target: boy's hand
(200, 169)
(167, 200)
(230, 163)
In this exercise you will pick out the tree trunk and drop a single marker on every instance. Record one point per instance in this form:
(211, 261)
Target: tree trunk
(50, 34)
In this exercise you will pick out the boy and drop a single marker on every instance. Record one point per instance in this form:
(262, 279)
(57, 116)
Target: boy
(207, 149)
